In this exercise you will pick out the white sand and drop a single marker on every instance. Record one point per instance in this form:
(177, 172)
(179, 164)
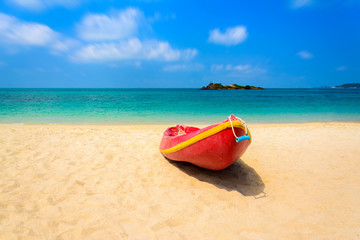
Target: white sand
(296, 181)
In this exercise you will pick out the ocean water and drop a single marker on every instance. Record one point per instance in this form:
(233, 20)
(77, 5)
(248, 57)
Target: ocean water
(151, 106)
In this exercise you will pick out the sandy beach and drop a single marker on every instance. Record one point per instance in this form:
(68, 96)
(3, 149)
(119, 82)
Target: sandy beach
(296, 181)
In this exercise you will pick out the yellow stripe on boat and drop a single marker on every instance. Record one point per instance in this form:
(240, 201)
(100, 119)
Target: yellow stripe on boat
(205, 134)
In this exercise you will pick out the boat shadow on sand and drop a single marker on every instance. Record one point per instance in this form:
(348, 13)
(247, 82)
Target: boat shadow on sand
(239, 177)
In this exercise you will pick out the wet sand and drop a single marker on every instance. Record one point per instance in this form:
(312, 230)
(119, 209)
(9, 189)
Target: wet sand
(296, 181)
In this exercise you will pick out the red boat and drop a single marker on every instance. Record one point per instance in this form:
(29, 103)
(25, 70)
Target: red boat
(214, 147)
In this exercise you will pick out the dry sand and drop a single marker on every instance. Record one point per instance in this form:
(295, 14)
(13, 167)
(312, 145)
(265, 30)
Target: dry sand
(296, 181)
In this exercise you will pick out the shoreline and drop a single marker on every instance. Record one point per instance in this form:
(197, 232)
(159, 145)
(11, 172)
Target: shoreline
(172, 123)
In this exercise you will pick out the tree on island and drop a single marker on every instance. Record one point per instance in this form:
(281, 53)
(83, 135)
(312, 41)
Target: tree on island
(348, 85)
(219, 86)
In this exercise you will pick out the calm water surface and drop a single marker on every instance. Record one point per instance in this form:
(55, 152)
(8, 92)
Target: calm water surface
(177, 105)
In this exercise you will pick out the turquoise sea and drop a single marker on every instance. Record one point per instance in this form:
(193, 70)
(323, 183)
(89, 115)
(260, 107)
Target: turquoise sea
(177, 105)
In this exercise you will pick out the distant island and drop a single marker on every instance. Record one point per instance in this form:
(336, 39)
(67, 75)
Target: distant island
(348, 85)
(219, 86)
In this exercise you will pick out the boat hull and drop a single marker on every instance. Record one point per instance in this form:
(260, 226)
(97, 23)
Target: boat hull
(217, 151)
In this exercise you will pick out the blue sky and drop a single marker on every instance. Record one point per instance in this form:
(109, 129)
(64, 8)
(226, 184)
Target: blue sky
(186, 44)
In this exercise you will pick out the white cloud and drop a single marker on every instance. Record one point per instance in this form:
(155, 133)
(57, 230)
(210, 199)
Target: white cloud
(64, 44)
(38, 5)
(29, 4)
(115, 37)
(301, 3)
(16, 32)
(305, 54)
(216, 67)
(230, 67)
(341, 68)
(161, 17)
(232, 36)
(242, 67)
(183, 67)
(242, 70)
(132, 49)
(106, 38)
(120, 25)
(252, 71)
(32, 34)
